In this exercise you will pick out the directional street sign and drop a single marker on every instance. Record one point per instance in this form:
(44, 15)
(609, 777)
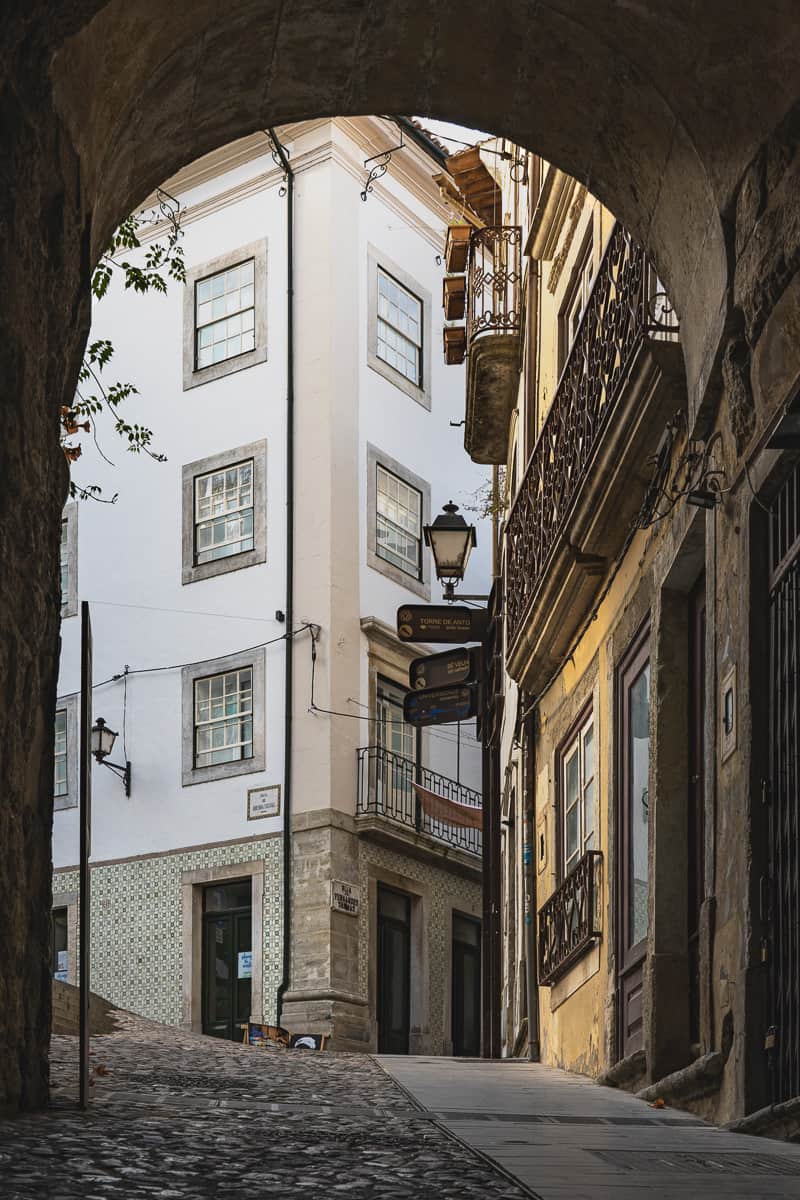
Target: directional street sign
(441, 705)
(441, 670)
(440, 623)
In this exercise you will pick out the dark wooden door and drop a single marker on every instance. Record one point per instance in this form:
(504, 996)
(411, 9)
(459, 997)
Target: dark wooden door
(227, 960)
(633, 758)
(696, 798)
(394, 971)
(784, 839)
(466, 1001)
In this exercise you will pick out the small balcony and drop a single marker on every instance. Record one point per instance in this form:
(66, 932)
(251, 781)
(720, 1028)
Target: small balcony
(389, 810)
(588, 472)
(493, 339)
(569, 921)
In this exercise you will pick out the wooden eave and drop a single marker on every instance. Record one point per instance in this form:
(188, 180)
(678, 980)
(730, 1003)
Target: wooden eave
(478, 187)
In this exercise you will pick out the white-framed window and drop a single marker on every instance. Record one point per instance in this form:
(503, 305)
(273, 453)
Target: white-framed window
(65, 753)
(398, 515)
(577, 783)
(223, 717)
(223, 512)
(225, 314)
(60, 778)
(68, 561)
(399, 331)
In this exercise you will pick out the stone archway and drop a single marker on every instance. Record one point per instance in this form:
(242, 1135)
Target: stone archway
(681, 118)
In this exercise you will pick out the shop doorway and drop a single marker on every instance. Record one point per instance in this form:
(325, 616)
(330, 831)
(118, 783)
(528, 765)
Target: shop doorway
(394, 971)
(227, 959)
(466, 1001)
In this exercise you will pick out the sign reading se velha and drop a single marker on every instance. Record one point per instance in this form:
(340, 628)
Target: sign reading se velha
(441, 670)
(440, 623)
(441, 705)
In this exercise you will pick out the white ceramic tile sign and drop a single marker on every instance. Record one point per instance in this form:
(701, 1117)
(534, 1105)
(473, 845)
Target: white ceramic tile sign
(345, 897)
(264, 802)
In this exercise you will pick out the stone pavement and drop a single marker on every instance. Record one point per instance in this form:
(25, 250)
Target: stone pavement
(566, 1138)
(182, 1117)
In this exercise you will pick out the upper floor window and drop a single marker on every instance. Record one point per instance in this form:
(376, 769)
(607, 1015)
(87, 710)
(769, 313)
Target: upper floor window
(574, 306)
(223, 718)
(576, 778)
(399, 328)
(399, 522)
(398, 336)
(393, 733)
(223, 512)
(68, 561)
(225, 315)
(60, 782)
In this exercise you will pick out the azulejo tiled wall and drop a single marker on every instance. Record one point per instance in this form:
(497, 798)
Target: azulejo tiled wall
(447, 891)
(137, 952)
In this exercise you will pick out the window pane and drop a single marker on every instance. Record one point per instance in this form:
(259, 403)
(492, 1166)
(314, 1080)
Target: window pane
(224, 307)
(224, 513)
(398, 522)
(399, 328)
(224, 728)
(60, 763)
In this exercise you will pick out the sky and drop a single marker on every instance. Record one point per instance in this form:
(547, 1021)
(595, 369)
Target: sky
(445, 130)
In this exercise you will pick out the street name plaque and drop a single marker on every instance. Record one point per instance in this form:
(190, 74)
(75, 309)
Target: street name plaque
(441, 670)
(441, 705)
(440, 623)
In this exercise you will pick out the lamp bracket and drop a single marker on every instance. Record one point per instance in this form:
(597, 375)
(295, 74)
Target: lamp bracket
(123, 773)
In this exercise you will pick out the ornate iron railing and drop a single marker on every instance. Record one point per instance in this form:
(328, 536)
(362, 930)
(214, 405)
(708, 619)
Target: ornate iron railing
(385, 790)
(494, 292)
(569, 922)
(626, 305)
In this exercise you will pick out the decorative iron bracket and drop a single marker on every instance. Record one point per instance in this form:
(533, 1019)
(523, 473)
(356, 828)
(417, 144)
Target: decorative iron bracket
(276, 158)
(381, 165)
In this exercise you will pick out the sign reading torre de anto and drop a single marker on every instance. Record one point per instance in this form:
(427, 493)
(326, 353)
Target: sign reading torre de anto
(440, 623)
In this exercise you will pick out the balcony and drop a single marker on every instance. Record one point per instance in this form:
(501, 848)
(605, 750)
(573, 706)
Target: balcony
(493, 339)
(588, 472)
(569, 921)
(388, 810)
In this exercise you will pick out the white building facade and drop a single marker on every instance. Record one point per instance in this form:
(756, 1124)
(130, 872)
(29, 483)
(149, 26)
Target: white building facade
(193, 615)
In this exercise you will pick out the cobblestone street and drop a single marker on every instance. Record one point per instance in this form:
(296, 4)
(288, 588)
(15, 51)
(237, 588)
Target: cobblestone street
(179, 1116)
(176, 1115)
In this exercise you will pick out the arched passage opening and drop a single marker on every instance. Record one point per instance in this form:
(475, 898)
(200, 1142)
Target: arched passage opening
(663, 116)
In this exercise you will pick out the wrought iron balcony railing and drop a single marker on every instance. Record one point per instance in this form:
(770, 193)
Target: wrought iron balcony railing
(627, 304)
(385, 789)
(569, 921)
(494, 295)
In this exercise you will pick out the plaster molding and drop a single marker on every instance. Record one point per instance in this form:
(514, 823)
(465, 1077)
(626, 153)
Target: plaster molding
(576, 208)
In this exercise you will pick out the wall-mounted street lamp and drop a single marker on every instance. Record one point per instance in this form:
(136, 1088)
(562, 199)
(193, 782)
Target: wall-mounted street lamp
(103, 740)
(451, 541)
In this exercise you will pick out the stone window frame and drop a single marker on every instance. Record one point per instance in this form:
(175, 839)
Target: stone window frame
(69, 704)
(194, 376)
(69, 603)
(190, 774)
(375, 457)
(193, 883)
(376, 260)
(192, 572)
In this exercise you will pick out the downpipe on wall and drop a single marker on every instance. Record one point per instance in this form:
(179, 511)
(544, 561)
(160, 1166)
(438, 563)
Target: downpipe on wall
(279, 154)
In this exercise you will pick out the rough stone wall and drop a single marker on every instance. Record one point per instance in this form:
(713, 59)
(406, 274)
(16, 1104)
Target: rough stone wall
(43, 320)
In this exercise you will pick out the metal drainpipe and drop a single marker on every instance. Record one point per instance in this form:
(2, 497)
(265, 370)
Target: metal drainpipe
(288, 678)
(529, 877)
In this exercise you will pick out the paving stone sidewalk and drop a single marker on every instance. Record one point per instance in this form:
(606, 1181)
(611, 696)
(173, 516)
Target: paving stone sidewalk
(183, 1117)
